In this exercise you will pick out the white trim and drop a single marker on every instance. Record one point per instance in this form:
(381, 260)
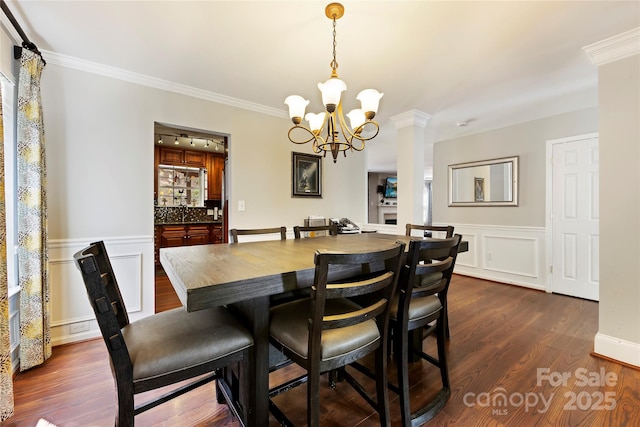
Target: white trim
(74, 243)
(614, 48)
(617, 349)
(143, 80)
(411, 118)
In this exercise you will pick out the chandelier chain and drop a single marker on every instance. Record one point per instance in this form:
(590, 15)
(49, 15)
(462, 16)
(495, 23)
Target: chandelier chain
(334, 62)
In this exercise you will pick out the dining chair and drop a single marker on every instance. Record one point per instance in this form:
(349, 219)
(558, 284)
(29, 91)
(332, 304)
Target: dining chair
(329, 330)
(315, 231)
(162, 349)
(234, 232)
(420, 305)
(427, 230)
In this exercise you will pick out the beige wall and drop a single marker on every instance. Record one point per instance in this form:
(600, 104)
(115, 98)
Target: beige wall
(527, 140)
(618, 93)
(99, 134)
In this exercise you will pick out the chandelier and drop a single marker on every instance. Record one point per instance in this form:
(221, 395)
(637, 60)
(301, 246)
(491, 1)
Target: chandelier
(332, 119)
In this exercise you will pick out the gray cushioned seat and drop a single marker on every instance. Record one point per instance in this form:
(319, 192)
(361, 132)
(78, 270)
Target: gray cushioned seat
(420, 307)
(203, 336)
(290, 327)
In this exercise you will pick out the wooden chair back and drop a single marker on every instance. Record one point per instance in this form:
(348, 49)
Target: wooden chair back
(426, 257)
(373, 292)
(104, 294)
(314, 231)
(234, 232)
(427, 230)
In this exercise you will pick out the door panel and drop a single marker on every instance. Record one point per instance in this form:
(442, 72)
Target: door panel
(575, 217)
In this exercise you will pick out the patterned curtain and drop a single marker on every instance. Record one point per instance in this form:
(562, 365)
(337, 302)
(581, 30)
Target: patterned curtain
(6, 370)
(33, 258)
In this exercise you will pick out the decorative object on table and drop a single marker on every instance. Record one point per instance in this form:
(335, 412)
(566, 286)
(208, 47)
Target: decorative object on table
(306, 175)
(363, 128)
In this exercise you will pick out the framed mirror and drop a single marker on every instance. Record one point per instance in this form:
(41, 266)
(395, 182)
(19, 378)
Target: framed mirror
(484, 183)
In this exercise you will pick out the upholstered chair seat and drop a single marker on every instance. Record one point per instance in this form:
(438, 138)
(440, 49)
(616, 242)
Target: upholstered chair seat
(175, 340)
(423, 306)
(289, 327)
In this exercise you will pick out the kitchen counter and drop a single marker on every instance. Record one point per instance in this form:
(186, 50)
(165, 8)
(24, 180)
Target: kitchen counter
(219, 221)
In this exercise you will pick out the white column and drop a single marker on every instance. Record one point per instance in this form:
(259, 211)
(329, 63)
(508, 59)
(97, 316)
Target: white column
(410, 148)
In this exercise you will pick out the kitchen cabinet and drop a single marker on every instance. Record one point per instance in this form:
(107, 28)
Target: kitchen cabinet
(184, 235)
(216, 168)
(216, 234)
(177, 157)
(169, 236)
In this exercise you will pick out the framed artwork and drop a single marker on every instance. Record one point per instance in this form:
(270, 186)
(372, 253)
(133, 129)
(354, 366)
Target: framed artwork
(478, 189)
(306, 175)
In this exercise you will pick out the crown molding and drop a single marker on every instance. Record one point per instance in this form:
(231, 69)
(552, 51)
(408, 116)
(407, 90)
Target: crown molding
(144, 80)
(411, 118)
(614, 48)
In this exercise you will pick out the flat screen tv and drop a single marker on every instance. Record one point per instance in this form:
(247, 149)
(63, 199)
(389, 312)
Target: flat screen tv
(391, 187)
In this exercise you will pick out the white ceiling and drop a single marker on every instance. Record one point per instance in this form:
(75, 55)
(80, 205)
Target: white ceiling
(489, 64)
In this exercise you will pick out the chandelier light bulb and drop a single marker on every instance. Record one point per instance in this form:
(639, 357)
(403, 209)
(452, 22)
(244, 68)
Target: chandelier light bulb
(369, 99)
(357, 119)
(331, 91)
(297, 105)
(315, 121)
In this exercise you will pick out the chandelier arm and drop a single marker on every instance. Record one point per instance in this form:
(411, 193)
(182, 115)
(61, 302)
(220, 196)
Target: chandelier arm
(312, 138)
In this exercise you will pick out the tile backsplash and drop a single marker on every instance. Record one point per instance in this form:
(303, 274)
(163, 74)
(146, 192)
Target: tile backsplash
(181, 214)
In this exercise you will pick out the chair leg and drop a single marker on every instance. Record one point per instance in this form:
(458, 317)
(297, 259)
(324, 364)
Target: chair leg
(442, 355)
(313, 398)
(401, 350)
(446, 320)
(126, 404)
(381, 385)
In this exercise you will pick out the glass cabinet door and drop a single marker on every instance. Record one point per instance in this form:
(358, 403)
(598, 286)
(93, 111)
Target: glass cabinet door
(181, 186)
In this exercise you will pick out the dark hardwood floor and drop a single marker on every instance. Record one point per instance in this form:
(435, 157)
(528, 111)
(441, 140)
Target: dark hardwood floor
(501, 337)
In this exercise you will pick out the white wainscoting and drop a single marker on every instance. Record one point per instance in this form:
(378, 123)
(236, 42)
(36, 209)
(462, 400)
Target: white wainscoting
(72, 317)
(505, 254)
(513, 255)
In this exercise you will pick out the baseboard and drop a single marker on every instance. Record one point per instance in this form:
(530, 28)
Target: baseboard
(626, 352)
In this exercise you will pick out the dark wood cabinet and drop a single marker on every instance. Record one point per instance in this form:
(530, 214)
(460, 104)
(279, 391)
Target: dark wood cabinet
(177, 157)
(216, 167)
(169, 236)
(216, 234)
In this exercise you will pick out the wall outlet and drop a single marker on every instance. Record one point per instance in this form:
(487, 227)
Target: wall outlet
(489, 256)
(78, 327)
(241, 205)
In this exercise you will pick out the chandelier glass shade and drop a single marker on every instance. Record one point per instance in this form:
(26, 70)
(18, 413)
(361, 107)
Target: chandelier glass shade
(338, 136)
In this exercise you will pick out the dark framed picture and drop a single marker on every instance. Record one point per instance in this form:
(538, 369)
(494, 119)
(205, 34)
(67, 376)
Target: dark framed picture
(478, 189)
(306, 175)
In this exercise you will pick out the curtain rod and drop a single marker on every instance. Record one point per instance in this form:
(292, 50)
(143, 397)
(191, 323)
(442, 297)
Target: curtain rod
(26, 43)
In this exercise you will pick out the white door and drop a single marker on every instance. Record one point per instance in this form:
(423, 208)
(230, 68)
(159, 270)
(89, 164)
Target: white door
(574, 218)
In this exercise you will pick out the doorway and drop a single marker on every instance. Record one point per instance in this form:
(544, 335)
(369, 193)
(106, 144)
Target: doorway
(190, 193)
(573, 216)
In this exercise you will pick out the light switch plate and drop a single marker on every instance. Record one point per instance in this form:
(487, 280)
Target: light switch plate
(241, 206)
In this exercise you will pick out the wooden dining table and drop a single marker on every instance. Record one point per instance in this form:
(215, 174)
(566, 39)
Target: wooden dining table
(243, 276)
